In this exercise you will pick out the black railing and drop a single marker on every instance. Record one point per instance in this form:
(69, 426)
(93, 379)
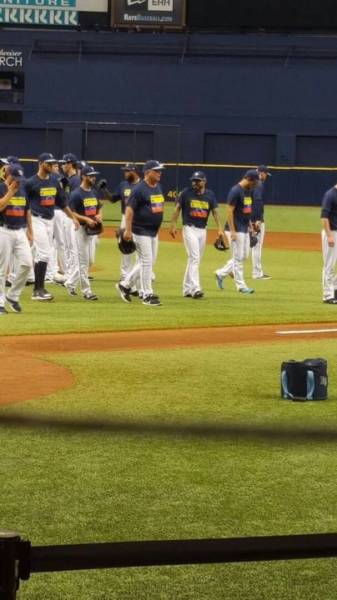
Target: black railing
(18, 559)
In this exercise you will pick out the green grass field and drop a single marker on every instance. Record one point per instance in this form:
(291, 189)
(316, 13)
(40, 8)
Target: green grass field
(62, 488)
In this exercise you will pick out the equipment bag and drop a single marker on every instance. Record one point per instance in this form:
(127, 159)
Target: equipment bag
(304, 380)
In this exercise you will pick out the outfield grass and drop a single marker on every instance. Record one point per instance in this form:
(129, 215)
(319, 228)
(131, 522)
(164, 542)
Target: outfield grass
(292, 295)
(303, 219)
(62, 488)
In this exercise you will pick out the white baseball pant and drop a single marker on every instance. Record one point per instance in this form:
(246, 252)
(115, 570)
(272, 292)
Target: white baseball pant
(81, 275)
(195, 243)
(240, 251)
(43, 230)
(147, 250)
(14, 243)
(257, 254)
(329, 277)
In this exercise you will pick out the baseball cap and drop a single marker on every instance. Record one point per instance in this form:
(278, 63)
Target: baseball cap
(263, 169)
(198, 175)
(153, 165)
(89, 171)
(47, 158)
(13, 159)
(69, 158)
(129, 167)
(4, 161)
(15, 170)
(251, 174)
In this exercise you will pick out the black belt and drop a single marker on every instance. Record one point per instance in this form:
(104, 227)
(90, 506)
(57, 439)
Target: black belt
(42, 217)
(10, 227)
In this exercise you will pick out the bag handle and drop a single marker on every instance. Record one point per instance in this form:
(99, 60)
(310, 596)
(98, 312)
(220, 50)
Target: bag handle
(284, 381)
(310, 384)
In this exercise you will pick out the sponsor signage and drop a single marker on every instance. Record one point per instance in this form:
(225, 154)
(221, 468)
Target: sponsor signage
(48, 12)
(148, 13)
(11, 59)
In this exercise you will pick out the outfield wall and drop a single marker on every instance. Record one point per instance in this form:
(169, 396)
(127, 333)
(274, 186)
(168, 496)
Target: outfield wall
(239, 99)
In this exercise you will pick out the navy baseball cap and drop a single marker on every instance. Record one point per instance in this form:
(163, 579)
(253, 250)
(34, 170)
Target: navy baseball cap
(251, 174)
(89, 171)
(68, 158)
(263, 169)
(4, 161)
(153, 165)
(198, 176)
(15, 170)
(46, 157)
(129, 167)
(13, 159)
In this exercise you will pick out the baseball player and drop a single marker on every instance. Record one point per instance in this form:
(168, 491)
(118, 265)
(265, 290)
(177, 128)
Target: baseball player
(143, 218)
(258, 223)
(70, 180)
(15, 235)
(329, 245)
(238, 226)
(88, 210)
(122, 194)
(44, 192)
(195, 203)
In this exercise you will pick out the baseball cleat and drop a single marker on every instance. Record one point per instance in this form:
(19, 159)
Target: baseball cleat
(15, 306)
(42, 295)
(198, 294)
(187, 295)
(330, 301)
(124, 292)
(3, 311)
(152, 300)
(90, 296)
(246, 290)
(71, 290)
(263, 276)
(219, 281)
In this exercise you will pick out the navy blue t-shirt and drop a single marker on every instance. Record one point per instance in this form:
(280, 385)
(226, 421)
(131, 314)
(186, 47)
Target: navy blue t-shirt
(195, 208)
(329, 207)
(85, 202)
(258, 203)
(15, 213)
(148, 205)
(74, 181)
(44, 194)
(123, 193)
(242, 201)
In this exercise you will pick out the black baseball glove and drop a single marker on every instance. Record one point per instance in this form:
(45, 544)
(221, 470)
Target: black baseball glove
(125, 246)
(94, 230)
(253, 240)
(220, 244)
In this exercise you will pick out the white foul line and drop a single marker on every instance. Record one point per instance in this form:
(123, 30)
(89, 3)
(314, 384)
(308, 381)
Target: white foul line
(310, 331)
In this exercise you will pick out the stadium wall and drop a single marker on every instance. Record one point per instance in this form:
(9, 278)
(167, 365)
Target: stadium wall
(239, 100)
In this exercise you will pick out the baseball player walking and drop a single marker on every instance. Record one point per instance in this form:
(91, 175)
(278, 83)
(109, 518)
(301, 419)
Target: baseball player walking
(122, 194)
(258, 223)
(88, 210)
(15, 235)
(239, 211)
(44, 192)
(195, 203)
(329, 245)
(143, 218)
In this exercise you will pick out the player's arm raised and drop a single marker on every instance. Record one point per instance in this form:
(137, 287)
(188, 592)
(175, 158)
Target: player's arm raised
(11, 190)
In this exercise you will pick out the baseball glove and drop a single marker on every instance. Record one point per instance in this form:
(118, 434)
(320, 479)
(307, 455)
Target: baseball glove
(220, 244)
(94, 230)
(125, 246)
(253, 240)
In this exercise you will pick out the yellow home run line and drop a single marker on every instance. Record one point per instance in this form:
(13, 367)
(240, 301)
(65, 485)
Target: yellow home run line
(204, 165)
(310, 331)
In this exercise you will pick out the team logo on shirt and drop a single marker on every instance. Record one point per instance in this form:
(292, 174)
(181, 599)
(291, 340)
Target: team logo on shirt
(247, 205)
(16, 207)
(199, 209)
(47, 196)
(90, 206)
(157, 203)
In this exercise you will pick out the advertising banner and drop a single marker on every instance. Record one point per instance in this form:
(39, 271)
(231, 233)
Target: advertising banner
(148, 13)
(48, 12)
